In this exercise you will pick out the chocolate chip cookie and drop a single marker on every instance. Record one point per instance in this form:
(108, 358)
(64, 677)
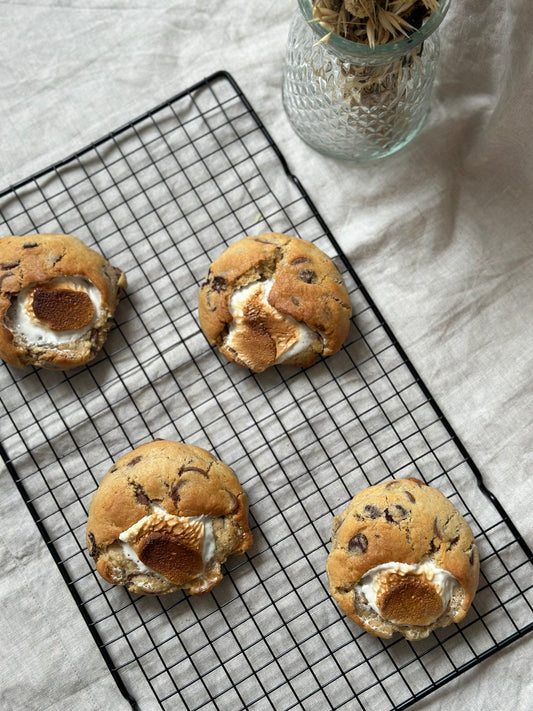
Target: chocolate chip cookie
(165, 517)
(274, 299)
(57, 300)
(402, 559)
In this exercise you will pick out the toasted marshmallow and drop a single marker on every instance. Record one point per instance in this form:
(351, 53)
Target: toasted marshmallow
(61, 310)
(251, 313)
(407, 594)
(176, 549)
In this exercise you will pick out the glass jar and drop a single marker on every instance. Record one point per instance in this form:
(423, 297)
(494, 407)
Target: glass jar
(356, 102)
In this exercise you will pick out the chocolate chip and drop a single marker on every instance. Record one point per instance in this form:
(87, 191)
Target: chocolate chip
(5, 275)
(358, 544)
(141, 496)
(234, 502)
(56, 258)
(295, 301)
(416, 481)
(184, 470)
(410, 496)
(307, 275)
(398, 513)
(218, 284)
(454, 541)
(337, 523)
(300, 260)
(9, 265)
(134, 461)
(264, 241)
(92, 544)
(371, 511)
(175, 492)
(30, 245)
(401, 512)
(436, 531)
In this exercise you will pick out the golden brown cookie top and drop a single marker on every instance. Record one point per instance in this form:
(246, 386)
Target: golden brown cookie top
(294, 292)
(160, 499)
(183, 479)
(25, 260)
(406, 548)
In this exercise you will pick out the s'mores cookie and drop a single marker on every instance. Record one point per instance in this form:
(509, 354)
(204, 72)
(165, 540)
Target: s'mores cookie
(57, 300)
(402, 559)
(274, 299)
(165, 517)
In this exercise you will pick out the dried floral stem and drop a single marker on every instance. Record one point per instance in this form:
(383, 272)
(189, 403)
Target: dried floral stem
(373, 22)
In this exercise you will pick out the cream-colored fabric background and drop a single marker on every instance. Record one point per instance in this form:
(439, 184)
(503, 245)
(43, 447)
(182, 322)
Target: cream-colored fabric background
(441, 235)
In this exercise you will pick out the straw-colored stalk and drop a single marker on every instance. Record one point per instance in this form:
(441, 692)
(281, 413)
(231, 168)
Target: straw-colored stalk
(373, 22)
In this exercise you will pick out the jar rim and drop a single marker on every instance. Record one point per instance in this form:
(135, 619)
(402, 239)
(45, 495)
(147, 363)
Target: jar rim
(359, 49)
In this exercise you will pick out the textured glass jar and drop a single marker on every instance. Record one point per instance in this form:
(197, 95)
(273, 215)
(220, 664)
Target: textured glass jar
(351, 101)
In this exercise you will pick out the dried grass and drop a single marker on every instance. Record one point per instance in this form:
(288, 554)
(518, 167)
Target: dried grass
(373, 22)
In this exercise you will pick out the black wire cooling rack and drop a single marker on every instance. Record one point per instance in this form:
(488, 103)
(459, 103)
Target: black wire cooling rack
(160, 198)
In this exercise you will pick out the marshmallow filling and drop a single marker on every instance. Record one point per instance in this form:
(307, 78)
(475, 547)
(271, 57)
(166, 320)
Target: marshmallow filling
(290, 336)
(126, 538)
(373, 582)
(25, 320)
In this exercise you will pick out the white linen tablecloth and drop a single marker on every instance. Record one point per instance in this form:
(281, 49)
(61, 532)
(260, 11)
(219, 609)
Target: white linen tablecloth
(440, 234)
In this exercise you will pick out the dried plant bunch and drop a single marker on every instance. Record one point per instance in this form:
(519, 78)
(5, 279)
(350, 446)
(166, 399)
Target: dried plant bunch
(373, 22)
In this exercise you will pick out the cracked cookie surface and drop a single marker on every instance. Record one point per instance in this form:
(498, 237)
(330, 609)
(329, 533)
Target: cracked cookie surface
(274, 299)
(402, 559)
(57, 300)
(165, 517)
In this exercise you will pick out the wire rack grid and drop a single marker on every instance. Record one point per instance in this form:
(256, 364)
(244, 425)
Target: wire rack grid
(160, 198)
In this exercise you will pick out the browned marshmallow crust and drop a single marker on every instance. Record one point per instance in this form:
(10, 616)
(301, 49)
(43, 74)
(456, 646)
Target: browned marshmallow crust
(166, 488)
(307, 286)
(35, 261)
(402, 521)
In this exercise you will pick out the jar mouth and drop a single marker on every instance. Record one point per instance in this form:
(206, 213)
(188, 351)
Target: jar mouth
(391, 49)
